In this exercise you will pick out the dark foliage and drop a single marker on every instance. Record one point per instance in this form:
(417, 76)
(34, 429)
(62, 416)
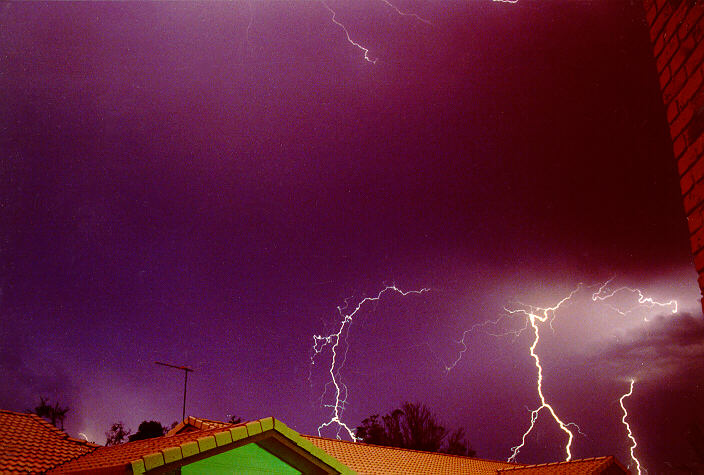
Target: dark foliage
(54, 413)
(148, 430)
(413, 426)
(117, 434)
(233, 419)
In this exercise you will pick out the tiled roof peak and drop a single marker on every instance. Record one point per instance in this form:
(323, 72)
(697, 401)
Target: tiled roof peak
(28, 443)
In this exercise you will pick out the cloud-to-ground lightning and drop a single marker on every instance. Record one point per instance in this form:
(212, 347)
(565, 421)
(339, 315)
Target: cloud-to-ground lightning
(402, 13)
(536, 315)
(356, 44)
(605, 293)
(634, 444)
(333, 340)
(347, 33)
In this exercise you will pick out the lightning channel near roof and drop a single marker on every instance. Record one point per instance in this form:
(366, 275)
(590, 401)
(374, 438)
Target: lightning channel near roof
(337, 361)
(634, 444)
(537, 316)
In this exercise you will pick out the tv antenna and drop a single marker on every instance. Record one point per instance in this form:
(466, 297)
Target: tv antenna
(185, 370)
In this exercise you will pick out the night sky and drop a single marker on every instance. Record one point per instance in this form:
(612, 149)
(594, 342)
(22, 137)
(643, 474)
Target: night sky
(205, 183)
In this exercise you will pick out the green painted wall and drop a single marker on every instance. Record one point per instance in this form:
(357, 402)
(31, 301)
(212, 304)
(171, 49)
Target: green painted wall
(248, 459)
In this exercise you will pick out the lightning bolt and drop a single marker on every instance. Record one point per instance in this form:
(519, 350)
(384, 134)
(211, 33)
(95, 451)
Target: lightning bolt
(634, 444)
(333, 340)
(462, 341)
(347, 34)
(604, 293)
(358, 45)
(250, 9)
(537, 315)
(402, 13)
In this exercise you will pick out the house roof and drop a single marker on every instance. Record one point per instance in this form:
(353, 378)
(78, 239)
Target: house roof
(190, 424)
(149, 454)
(595, 465)
(28, 443)
(367, 458)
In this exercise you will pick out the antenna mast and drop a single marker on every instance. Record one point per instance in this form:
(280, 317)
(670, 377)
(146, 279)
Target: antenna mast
(185, 370)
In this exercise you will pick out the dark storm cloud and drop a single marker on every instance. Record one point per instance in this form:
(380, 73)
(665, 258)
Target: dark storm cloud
(665, 346)
(32, 368)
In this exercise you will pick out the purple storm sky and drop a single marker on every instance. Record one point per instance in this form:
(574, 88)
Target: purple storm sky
(177, 189)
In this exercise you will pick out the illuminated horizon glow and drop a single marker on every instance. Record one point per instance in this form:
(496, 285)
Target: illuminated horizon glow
(604, 293)
(532, 315)
(320, 342)
(634, 444)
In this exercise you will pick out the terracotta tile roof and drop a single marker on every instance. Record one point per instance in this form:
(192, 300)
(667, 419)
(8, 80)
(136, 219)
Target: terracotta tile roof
(121, 456)
(143, 455)
(28, 443)
(575, 467)
(191, 423)
(366, 458)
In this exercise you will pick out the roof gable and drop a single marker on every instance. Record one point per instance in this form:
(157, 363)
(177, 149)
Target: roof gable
(163, 454)
(191, 424)
(28, 443)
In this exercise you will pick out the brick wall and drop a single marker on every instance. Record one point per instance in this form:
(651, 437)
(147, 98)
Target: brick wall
(677, 34)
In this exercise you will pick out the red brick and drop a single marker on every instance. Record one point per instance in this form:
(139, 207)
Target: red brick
(664, 14)
(665, 76)
(695, 220)
(650, 15)
(681, 122)
(693, 199)
(672, 111)
(697, 240)
(694, 61)
(674, 86)
(697, 31)
(694, 152)
(687, 181)
(693, 16)
(698, 170)
(685, 49)
(664, 57)
(658, 45)
(679, 146)
(693, 84)
(673, 23)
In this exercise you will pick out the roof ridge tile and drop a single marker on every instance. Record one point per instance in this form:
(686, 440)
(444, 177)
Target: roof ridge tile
(518, 465)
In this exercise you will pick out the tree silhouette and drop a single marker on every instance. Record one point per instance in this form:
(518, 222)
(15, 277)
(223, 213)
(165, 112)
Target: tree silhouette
(413, 426)
(148, 430)
(117, 434)
(54, 413)
(233, 419)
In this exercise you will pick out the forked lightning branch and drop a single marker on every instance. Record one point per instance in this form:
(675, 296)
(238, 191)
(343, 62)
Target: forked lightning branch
(335, 394)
